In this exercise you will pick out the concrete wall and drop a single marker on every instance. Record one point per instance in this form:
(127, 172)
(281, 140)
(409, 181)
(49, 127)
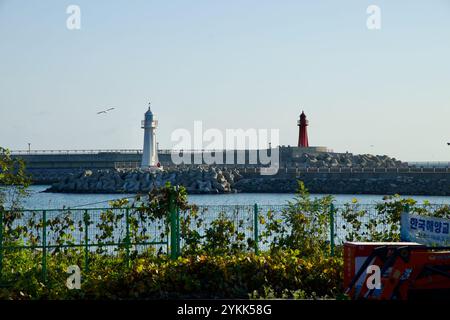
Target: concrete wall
(109, 160)
(78, 161)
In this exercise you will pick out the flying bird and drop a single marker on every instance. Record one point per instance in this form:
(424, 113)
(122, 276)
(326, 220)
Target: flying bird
(448, 143)
(105, 111)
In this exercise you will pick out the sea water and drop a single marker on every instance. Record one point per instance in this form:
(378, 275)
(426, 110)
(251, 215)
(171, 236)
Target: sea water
(43, 200)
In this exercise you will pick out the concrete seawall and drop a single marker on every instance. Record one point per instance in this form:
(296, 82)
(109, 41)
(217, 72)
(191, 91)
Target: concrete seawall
(433, 184)
(291, 157)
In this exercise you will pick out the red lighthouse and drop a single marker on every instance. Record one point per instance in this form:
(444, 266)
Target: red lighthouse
(303, 133)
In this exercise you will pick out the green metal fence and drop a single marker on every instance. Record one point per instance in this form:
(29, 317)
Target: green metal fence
(345, 222)
(127, 231)
(89, 232)
(243, 224)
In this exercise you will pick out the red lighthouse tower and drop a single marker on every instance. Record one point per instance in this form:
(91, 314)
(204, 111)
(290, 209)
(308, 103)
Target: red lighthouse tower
(303, 132)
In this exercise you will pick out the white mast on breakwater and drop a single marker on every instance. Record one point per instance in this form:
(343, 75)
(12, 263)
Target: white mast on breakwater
(150, 152)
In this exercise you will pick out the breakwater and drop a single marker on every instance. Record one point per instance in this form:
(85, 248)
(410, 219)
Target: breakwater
(43, 164)
(208, 180)
(215, 180)
(431, 184)
(322, 172)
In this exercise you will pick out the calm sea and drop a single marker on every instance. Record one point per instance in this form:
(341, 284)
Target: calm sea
(41, 200)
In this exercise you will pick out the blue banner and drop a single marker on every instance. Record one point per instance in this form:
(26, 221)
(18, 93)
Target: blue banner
(425, 230)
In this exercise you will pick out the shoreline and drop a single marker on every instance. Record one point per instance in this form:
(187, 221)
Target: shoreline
(246, 192)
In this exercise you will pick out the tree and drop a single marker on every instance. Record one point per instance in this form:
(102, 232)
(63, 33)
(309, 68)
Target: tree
(13, 181)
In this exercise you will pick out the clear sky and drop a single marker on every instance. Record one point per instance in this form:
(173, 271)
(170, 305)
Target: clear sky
(232, 64)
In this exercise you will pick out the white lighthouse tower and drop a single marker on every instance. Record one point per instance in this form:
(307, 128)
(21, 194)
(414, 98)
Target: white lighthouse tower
(150, 154)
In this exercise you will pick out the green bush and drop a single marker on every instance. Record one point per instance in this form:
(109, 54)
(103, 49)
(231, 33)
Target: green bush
(303, 225)
(284, 274)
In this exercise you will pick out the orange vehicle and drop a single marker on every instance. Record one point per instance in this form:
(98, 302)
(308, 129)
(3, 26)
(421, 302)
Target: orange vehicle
(407, 270)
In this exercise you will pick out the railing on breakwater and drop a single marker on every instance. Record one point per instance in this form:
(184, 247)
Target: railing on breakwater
(303, 170)
(429, 164)
(124, 151)
(74, 152)
(355, 169)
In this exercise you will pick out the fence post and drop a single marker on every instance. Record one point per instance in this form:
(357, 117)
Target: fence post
(255, 227)
(1, 244)
(332, 229)
(44, 246)
(406, 208)
(178, 233)
(127, 237)
(173, 229)
(86, 241)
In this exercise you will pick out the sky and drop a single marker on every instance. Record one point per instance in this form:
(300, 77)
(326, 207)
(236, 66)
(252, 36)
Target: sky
(230, 64)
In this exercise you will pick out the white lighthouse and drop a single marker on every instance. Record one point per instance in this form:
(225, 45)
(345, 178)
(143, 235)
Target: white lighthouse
(149, 153)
